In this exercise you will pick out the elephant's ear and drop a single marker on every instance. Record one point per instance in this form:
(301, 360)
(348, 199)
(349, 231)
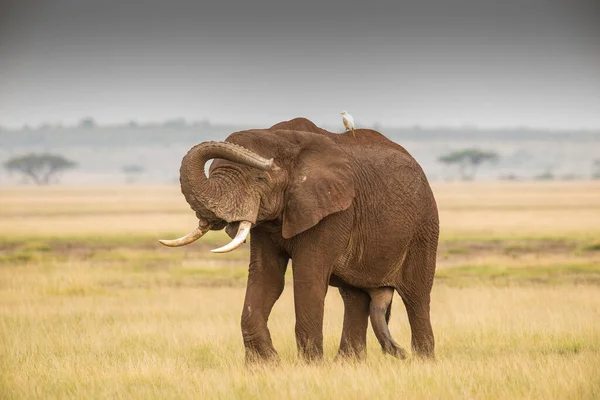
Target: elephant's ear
(322, 184)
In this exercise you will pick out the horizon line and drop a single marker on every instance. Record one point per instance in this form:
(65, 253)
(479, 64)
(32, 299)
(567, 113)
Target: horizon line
(379, 125)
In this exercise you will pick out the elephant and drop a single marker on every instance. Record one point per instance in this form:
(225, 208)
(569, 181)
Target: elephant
(356, 213)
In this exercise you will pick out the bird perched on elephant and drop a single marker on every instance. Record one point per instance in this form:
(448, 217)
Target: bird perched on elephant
(354, 213)
(348, 121)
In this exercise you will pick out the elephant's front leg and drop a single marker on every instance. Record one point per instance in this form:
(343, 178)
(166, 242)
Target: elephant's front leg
(313, 259)
(312, 266)
(266, 278)
(309, 302)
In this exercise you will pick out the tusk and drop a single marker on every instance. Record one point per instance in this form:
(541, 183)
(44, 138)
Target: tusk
(187, 239)
(240, 237)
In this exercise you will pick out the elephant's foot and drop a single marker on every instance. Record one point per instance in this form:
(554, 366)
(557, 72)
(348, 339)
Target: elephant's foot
(393, 349)
(254, 356)
(259, 348)
(424, 348)
(348, 352)
(310, 352)
(353, 358)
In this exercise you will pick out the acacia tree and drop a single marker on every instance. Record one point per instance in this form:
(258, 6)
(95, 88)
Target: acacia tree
(468, 160)
(87, 123)
(132, 172)
(596, 169)
(40, 168)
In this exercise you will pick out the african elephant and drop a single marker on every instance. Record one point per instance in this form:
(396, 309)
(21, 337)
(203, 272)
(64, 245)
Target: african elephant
(352, 212)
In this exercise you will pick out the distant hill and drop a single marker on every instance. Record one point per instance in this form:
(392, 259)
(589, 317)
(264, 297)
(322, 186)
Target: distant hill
(102, 151)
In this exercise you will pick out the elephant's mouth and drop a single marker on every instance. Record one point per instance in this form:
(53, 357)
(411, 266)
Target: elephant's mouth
(231, 229)
(243, 229)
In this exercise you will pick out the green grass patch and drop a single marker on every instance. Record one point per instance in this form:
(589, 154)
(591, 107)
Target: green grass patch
(458, 250)
(587, 272)
(29, 253)
(213, 274)
(122, 254)
(38, 246)
(142, 277)
(519, 248)
(76, 290)
(459, 237)
(212, 237)
(593, 246)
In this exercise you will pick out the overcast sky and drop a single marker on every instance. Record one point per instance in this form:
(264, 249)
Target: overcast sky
(448, 62)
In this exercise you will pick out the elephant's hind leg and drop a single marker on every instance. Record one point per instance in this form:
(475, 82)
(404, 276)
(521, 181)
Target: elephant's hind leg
(417, 309)
(379, 311)
(356, 320)
(415, 290)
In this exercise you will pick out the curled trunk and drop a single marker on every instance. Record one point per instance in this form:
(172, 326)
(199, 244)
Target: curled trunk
(202, 192)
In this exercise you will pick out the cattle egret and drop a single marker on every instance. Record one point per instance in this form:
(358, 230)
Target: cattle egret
(348, 122)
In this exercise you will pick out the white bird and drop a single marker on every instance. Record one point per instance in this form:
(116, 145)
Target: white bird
(348, 122)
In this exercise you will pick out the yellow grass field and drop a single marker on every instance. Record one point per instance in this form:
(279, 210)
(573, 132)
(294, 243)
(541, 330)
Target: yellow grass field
(478, 211)
(92, 307)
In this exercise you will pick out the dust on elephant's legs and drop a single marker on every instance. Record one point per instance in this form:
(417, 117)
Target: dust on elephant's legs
(266, 278)
(356, 321)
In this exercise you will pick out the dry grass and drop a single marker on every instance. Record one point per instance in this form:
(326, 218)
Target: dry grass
(88, 330)
(519, 210)
(468, 211)
(65, 211)
(114, 315)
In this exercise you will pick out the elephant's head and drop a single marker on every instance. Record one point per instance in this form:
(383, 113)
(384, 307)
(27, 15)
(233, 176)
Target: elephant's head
(294, 177)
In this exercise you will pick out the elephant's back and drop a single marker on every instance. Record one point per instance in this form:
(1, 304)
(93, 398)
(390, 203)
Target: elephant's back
(361, 137)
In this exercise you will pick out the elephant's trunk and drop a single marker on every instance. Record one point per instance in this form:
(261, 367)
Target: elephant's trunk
(193, 180)
(200, 191)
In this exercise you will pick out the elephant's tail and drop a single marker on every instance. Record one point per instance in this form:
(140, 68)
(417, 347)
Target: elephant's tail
(388, 311)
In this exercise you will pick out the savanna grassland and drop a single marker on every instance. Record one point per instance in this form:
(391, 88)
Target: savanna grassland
(91, 306)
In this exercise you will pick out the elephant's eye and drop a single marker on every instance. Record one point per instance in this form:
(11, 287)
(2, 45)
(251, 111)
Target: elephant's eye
(261, 179)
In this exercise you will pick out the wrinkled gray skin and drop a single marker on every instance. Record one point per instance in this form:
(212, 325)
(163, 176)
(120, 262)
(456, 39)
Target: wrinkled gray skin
(355, 213)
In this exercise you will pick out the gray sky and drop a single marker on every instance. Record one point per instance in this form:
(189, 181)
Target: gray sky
(448, 62)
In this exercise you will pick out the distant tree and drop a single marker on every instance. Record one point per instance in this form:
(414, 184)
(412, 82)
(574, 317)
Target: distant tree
(570, 177)
(41, 168)
(132, 172)
(205, 123)
(468, 160)
(87, 123)
(547, 175)
(175, 123)
(45, 127)
(509, 177)
(596, 169)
